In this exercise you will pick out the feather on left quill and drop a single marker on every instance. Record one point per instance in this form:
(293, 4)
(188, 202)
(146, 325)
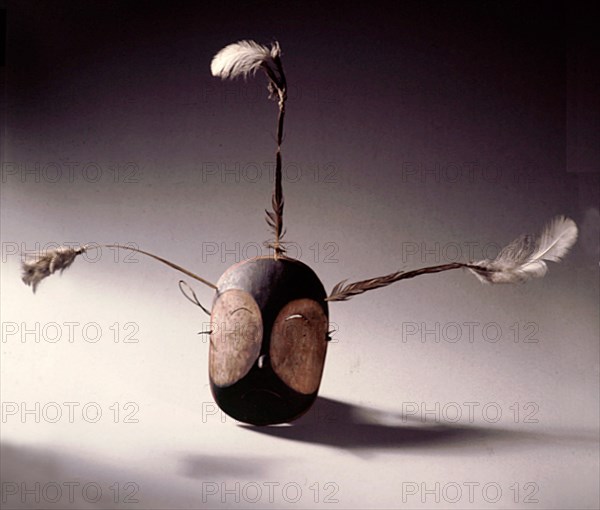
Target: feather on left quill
(35, 269)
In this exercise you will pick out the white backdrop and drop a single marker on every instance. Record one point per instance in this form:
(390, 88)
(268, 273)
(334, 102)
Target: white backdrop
(414, 137)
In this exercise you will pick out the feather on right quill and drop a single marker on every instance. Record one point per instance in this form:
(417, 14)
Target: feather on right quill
(525, 258)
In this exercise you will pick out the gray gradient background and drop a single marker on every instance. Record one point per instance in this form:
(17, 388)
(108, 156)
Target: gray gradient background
(379, 92)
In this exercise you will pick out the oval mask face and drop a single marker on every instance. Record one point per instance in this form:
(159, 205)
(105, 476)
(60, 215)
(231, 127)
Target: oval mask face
(269, 339)
(236, 337)
(298, 345)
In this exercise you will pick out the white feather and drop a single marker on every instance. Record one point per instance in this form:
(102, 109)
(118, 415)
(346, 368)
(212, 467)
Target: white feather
(525, 257)
(243, 58)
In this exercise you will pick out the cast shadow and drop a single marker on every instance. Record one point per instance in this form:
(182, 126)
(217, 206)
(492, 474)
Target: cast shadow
(342, 425)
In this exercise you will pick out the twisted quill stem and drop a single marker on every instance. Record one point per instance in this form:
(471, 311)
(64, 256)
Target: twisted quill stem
(275, 218)
(160, 259)
(343, 291)
(59, 259)
(278, 191)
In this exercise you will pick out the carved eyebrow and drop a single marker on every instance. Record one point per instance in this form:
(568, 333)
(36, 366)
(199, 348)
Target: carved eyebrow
(240, 308)
(296, 316)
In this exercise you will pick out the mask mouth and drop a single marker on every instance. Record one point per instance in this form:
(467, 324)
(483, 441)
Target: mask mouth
(262, 403)
(263, 407)
(260, 398)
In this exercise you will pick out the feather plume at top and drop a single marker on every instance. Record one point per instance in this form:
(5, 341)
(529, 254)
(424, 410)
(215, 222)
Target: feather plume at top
(246, 57)
(241, 59)
(525, 257)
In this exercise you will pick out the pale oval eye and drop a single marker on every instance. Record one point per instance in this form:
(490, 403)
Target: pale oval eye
(298, 345)
(237, 330)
